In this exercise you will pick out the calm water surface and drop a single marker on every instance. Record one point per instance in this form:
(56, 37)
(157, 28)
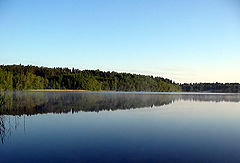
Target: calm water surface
(119, 127)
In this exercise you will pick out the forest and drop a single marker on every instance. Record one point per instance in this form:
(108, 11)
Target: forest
(211, 87)
(20, 77)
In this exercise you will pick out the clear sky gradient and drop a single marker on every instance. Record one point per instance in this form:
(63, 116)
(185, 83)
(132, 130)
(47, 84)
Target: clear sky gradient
(184, 40)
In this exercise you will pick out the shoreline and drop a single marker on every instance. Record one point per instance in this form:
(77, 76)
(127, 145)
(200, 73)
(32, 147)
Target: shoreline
(42, 90)
(75, 90)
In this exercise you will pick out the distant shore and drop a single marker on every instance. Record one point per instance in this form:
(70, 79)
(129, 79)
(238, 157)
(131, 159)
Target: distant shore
(55, 90)
(20, 77)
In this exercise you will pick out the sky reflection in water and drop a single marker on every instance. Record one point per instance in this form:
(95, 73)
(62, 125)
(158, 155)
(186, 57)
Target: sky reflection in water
(117, 127)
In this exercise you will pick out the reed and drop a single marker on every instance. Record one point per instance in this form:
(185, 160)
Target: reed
(2, 99)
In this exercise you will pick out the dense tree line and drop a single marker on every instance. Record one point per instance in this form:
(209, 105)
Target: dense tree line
(211, 87)
(19, 77)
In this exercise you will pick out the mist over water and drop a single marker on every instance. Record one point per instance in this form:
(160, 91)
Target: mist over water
(34, 102)
(119, 127)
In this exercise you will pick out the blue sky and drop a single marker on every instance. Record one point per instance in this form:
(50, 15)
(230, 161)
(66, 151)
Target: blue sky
(187, 40)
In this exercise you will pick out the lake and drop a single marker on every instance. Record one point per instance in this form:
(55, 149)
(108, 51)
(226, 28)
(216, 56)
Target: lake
(119, 127)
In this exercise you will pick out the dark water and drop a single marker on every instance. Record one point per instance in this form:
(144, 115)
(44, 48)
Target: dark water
(119, 127)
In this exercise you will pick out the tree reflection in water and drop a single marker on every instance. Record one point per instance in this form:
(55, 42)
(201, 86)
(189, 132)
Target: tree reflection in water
(30, 103)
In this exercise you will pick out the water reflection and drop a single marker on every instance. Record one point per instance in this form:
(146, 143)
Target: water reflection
(8, 124)
(190, 127)
(30, 103)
